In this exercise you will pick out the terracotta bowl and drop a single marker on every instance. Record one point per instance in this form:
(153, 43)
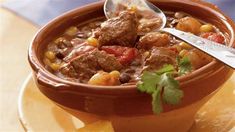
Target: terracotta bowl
(128, 109)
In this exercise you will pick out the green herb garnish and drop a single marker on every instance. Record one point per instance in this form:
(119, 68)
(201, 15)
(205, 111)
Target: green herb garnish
(162, 86)
(184, 65)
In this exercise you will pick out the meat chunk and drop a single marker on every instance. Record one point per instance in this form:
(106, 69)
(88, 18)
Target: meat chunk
(153, 39)
(87, 64)
(121, 30)
(78, 50)
(107, 62)
(160, 57)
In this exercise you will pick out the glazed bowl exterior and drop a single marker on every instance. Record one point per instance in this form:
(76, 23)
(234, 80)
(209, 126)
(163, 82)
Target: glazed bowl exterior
(127, 108)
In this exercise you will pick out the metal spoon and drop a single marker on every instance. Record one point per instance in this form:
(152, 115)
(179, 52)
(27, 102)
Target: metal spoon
(221, 52)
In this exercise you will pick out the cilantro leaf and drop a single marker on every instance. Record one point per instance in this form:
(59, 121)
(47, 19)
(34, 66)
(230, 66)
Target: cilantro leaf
(172, 96)
(165, 68)
(168, 81)
(156, 101)
(171, 93)
(184, 65)
(148, 82)
(162, 86)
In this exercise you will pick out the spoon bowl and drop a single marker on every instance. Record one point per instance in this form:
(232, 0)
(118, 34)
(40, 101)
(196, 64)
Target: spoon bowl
(111, 5)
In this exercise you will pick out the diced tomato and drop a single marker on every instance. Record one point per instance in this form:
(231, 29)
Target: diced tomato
(216, 37)
(125, 55)
(174, 49)
(116, 50)
(128, 56)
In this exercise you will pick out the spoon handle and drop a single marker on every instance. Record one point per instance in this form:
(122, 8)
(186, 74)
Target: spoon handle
(221, 52)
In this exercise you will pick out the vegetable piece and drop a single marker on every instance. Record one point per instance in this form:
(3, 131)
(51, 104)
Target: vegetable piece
(216, 37)
(174, 49)
(161, 85)
(115, 74)
(185, 45)
(93, 41)
(55, 66)
(146, 54)
(183, 53)
(184, 65)
(148, 82)
(197, 58)
(104, 79)
(166, 69)
(71, 31)
(60, 39)
(46, 61)
(189, 24)
(133, 8)
(128, 56)
(50, 55)
(177, 47)
(100, 78)
(206, 28)
(171, 94)
(125, 55)
(194, 59)
(62, 43)
(156, 101)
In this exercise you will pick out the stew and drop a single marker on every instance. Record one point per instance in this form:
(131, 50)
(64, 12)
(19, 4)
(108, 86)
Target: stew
(116, 52)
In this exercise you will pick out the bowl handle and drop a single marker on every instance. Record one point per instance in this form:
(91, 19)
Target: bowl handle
(43, 79)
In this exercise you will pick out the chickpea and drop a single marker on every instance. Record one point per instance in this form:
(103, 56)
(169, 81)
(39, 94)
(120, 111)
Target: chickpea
(185, 45)
(55, 66)
(198, 58)
(58, 40)
(105, 79)
(132, 8)
(71, 31)
(93, 41)
(189, 24)
(99, 78)
(177, 47)
(194, 59)
(46, 61)
(183, 53)
(50, 55)
(206, 28)
(146, 54)
(115, 74)
(204, 58)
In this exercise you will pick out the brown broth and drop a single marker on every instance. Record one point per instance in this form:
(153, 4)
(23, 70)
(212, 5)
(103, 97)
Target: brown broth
(78, 34)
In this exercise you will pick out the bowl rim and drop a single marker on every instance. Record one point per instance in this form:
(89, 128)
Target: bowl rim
(52, 80)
